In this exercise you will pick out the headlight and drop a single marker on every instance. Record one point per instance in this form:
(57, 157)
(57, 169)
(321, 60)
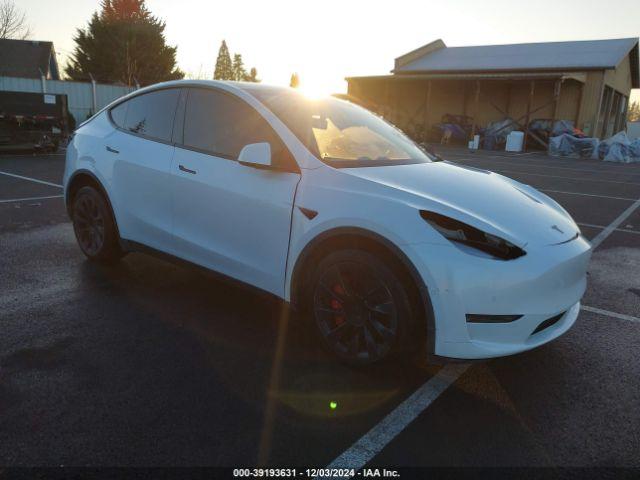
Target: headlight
(459, 232)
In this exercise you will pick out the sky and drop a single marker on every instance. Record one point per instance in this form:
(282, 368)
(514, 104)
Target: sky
(326, 41)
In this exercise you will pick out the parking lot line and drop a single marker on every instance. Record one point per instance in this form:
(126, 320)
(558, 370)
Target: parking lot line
(489, 164)
(602, 226)
(29, 199)
(573, 178)
(599, 311)
(598, 239)
(372, 443)
(555, 167)
(587, 195)
(484, 156)
(31, 179)
(12, 155)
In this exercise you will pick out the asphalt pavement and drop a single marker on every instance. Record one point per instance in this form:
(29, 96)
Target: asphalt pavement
(151, 364)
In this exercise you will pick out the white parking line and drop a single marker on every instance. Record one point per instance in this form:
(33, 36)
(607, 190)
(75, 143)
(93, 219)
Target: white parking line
(481, 156)
(368, 446)
(13, 155)
(29, 199)
(372, 443)
(620, 316)
(587, 194)
(602, 226)
(606, 167)
(598, 239)
(557, 167)
(31, 179)
(571, 178)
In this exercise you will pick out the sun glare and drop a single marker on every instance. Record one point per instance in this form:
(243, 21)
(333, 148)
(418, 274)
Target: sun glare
(315, 89)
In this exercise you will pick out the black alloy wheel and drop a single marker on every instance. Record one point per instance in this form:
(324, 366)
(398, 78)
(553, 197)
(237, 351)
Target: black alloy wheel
(89, 224)
(356, 311)
(94, 226)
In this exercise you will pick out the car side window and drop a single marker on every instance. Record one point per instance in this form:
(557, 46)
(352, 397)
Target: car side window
(119, 114)
(221, 124)
(150, 114)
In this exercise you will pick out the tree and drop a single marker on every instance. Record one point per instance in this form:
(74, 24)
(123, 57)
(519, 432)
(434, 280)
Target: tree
(239, 73)
(295, 80)
(228, 70)
(634, 112)
(13, 22)
(123, 43)
(224, 67)
(253, 76)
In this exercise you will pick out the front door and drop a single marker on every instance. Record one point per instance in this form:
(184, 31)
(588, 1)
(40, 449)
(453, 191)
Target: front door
(229, 217)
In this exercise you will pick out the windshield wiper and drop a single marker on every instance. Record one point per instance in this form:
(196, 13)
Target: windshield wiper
(431, 153)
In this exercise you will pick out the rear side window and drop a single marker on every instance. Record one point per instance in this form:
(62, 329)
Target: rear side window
(221, 124)
(150, 114)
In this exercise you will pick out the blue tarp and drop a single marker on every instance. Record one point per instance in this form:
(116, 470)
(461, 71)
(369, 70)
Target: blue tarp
(614, 149)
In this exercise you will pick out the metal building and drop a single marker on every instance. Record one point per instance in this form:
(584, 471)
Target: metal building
(585, 82)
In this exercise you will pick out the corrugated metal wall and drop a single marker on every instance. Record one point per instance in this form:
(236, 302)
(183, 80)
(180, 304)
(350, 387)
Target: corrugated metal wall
(79, 94)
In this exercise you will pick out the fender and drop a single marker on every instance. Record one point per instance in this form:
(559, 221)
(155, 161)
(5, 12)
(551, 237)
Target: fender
(94, 177)
(423, 290)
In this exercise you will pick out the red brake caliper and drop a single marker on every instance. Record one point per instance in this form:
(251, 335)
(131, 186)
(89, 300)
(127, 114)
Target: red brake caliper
(337, 305)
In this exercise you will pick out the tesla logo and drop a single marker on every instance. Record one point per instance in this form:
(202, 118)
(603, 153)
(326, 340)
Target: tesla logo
(556, 228)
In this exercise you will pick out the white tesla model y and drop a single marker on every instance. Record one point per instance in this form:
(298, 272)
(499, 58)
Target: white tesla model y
(332, 209)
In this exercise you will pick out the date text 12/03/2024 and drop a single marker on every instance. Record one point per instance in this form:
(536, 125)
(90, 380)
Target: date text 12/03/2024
(316, 472)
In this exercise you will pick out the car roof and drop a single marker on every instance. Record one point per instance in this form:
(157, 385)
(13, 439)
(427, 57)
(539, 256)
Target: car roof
(224, 84)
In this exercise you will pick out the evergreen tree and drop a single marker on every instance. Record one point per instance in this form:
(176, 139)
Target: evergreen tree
(253, 76)
(124, 10)
(295, 80)
(232, 70)
(123, 43)
(239, 73)
(224, 67)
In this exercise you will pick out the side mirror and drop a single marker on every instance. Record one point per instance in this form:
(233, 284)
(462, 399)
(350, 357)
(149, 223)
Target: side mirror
(257, 155)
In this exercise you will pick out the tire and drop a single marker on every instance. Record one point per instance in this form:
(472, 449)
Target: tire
(360, 308)
(94, 226)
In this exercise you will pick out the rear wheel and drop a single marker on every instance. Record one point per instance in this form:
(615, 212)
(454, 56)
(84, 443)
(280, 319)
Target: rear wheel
(94, 226)
(360, 307)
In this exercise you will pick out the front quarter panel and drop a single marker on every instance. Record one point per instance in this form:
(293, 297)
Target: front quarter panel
(346, 201)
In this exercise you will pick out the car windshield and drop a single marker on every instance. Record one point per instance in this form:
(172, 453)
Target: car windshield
(340, 133)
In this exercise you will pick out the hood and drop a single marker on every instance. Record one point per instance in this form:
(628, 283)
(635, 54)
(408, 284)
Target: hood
(483, 199)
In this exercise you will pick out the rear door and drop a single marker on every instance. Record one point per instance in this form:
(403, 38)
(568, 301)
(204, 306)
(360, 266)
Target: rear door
(229, 217)
(141, 176)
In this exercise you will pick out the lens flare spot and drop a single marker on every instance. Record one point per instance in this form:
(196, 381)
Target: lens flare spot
(333, 405)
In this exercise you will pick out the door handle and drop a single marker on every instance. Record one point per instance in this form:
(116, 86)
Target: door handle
(112, 150)
(185, 169)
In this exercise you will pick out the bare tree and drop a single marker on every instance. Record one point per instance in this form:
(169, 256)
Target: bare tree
(13, 21)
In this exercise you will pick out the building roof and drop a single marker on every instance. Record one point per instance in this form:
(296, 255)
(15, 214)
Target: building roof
(508, 76)
(28, 58)
(568, 56)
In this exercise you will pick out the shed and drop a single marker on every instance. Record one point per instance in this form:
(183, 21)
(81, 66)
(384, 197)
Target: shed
(584, 82)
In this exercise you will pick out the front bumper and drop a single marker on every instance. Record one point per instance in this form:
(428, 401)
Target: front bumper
(547, 282)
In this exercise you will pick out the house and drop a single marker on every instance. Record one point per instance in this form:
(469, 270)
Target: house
(28, 59)
(585, 82)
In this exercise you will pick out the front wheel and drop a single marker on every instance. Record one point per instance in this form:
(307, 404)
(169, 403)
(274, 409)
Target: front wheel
(95, 227)
(360, 307)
